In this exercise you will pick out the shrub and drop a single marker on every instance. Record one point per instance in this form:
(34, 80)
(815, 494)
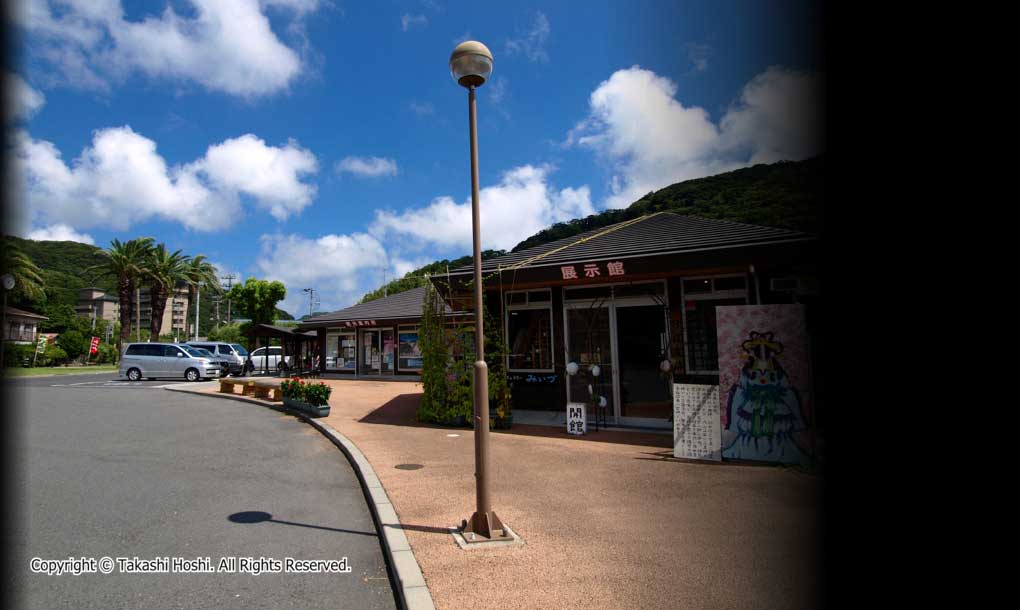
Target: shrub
(293, 388)
(317, 394)
(15, 354)
(53, 356)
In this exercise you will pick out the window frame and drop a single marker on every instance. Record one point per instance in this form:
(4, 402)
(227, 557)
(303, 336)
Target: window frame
(416, 329)
(528, 305)
(712, 295)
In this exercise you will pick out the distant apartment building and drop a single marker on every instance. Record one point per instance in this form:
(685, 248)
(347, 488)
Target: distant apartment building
(95, 301)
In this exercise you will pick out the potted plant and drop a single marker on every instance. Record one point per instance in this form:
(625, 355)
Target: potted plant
(293, 391)
(317, 398)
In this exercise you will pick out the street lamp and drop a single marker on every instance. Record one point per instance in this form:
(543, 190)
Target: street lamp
(470, 66)
(8, 284)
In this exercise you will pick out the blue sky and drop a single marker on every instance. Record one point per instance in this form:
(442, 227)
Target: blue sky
(323, 143)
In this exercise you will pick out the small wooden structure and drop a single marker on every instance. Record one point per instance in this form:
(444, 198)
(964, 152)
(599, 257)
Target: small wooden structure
(301, 348)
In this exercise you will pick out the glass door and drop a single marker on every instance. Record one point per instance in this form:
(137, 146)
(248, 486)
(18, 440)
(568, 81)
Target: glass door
(370, 361)
(642, 345)
(589, 343)
(387, 351)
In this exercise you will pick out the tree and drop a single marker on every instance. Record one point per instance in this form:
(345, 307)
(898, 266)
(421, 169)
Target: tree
(28, 281)
(256, 299)
(126, 262)
(73, 343)
(164, 270)
(200, 271)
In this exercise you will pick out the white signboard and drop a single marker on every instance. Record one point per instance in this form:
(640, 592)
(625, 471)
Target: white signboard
(577, 418)
(696, 425)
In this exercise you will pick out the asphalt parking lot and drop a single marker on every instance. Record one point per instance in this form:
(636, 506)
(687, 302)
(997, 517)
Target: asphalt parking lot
(110, 468)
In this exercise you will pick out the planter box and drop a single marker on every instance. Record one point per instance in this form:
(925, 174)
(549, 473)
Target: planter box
(304, 407)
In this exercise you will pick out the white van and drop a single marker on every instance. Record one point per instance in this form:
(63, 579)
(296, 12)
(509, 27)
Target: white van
(273, 361)
(233, 353)
(151, 360)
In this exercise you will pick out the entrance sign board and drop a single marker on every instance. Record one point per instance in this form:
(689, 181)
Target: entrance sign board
(697, 433)
(765, 374)
(577, 418)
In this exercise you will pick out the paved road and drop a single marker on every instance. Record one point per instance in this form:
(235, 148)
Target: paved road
(111, 468)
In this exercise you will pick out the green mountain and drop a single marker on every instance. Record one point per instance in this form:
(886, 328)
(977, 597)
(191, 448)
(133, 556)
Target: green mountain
(788, 194)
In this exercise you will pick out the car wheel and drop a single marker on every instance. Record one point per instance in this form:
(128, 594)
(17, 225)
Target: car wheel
(191, 375)
(134, 374)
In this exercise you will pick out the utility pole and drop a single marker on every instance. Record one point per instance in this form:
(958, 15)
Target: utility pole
(138, 313)
(198, 299)
(385, 288)
(312, 302)
(229, 279)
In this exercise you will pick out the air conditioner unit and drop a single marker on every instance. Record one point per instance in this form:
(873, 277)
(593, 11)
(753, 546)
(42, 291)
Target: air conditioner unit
(784, 284)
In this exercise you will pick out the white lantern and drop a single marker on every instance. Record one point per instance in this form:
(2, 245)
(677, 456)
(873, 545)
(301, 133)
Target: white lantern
(595, 370)
(665, 366)
(572, 368)
(602, 401)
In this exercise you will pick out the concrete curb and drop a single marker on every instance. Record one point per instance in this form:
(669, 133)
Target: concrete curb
(412, 590)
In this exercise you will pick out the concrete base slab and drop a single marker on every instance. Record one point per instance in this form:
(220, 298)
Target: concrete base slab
(513, 540)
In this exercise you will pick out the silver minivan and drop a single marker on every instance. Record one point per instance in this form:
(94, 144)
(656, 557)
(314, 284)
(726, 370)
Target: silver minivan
(232, 353)
(151, 360)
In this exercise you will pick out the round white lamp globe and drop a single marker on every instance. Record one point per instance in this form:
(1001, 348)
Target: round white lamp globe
(665, 366)
(471, 64)
(572, 368)
(595, 370)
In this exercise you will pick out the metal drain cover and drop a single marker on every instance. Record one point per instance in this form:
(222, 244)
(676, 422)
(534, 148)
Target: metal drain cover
(408, 466)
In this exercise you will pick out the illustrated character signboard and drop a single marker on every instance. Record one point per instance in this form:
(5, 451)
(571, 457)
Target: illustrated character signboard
(765, 383)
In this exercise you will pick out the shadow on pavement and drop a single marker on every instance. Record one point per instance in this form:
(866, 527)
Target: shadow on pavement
(402, 411)
(257, 516)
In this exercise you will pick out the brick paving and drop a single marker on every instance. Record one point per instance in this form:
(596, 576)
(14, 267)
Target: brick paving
(609, 520)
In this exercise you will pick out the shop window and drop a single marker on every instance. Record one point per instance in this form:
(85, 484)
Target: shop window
(341, 351)
(701, 297)
(408, 353)
(529, 331)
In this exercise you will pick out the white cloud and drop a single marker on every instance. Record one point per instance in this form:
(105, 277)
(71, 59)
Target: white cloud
(422, 108)
(651, 140)
(272, 175)
(121, 179)
(780, 116)
(367, 167)
(408, 21)
(346, 266)
(60, 232)
(22, 100)
(227, 46)
(532, 43)
(522, 204)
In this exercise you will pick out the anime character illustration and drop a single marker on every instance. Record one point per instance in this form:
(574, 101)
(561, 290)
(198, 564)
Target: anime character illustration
(764, 418)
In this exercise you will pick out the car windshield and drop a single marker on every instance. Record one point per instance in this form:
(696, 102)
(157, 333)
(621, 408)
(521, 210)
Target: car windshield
(239, 349)
(195, 351)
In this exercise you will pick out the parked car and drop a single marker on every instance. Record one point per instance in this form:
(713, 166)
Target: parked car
(233, 354)
(274, 361)
(152, 360)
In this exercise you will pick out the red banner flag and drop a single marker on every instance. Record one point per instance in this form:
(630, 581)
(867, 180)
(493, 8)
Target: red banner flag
(95, 345)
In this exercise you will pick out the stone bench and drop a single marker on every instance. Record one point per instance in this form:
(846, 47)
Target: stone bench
(256, 388)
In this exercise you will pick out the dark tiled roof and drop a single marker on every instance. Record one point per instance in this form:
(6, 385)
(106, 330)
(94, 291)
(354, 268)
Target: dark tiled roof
(659, 233)
(13, 311)
(405, 304)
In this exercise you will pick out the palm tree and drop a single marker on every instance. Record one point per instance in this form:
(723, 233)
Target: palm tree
(200, 271)
(28, 280)
(165, 271)
(127, 262)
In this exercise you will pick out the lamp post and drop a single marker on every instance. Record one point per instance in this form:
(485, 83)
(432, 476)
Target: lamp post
(8, 284)
(470, 66)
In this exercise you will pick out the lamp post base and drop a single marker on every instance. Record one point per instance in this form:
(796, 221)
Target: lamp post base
(484, 527)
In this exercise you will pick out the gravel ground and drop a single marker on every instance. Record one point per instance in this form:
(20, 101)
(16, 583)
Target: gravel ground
(609, 520)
